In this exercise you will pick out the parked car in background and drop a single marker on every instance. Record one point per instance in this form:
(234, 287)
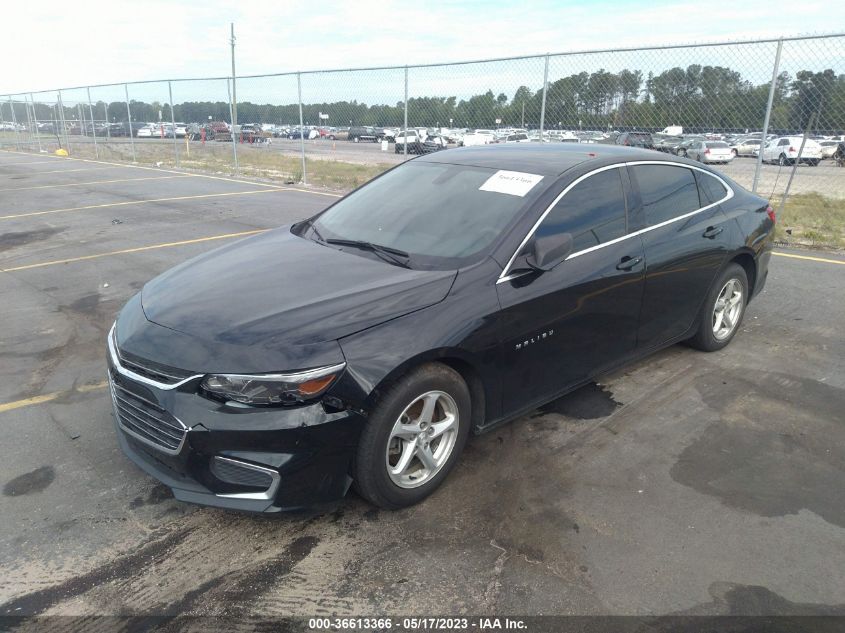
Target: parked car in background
(148, 131)
(519, 137)
(362, 133)
(785, 151)
(681, 149)
(828, 148)
(411, 138)
(710, 152)
(442, 298)
(478, 137)
(433, 143)
(668, 144)
(745, 146)
(635, 139)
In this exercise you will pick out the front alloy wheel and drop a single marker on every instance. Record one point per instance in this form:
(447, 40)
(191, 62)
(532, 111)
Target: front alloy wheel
(422, 439)
(413, 437)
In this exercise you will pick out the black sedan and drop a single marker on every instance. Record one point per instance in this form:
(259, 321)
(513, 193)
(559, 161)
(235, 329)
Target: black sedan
(451, 294)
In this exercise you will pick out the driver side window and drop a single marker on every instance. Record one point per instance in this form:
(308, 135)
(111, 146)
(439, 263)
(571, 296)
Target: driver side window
(593, 211)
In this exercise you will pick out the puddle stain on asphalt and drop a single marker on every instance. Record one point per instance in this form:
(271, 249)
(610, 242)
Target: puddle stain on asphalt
(21, 238)
(775, 469)
(158, 494)
(87, 304)
(28, 483)
(590, 402)
(754, 600)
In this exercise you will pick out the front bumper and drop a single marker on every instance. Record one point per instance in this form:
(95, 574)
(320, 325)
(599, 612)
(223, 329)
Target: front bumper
(237, 457)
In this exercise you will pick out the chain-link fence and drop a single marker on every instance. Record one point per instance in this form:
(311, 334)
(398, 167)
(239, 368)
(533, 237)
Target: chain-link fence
(769, 113)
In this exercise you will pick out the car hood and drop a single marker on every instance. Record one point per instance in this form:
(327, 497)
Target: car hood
(277, 288)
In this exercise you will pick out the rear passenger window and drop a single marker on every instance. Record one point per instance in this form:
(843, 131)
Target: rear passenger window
(710, 189)
(593, 211)
(666, 191)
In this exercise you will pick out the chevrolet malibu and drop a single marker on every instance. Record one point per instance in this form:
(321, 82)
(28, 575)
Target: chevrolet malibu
(455, 292)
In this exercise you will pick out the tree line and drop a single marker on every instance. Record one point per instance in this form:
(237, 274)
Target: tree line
(697, 97)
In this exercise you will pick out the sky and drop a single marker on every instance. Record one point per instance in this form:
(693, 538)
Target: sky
(59, 44)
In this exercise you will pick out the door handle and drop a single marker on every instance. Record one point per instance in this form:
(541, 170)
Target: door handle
(712, 232)
(628, 262)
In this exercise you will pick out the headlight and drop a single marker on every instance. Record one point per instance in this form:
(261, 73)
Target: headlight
(270, 389)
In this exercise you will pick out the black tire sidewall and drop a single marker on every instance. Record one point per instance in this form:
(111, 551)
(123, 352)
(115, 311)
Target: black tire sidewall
(371, 478)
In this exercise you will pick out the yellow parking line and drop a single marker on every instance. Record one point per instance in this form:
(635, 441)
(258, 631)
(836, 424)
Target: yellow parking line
(94, 182)
(812, 259)
(47, 397)
(29, 214)
(133, 250)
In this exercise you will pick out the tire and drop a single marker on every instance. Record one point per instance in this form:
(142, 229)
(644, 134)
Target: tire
(355, 139)
(735, 153)
(379, 449)
(814, 163)
(332, 137)
(783, 161)
(706, 338)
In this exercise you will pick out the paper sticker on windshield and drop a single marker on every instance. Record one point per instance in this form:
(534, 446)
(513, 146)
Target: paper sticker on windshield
(513, 183)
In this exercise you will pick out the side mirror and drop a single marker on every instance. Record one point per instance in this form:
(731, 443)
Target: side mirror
(549, 251)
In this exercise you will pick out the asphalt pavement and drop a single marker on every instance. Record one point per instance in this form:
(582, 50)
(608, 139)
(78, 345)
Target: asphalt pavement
(688, 483)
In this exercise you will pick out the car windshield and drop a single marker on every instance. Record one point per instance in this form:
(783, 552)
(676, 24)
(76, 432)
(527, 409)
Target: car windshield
(443, 215)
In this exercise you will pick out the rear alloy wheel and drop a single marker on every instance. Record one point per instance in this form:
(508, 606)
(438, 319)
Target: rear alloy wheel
(413, 437)
(782, 161)
(723, 310)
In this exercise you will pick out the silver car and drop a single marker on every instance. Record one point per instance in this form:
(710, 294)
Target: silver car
(745, 147)
(710, 152)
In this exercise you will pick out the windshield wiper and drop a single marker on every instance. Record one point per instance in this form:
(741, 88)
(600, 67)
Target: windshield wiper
(310, 223)
(388, 254)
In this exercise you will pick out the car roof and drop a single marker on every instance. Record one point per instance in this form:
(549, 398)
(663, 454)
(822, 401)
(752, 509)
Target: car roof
(548, 159)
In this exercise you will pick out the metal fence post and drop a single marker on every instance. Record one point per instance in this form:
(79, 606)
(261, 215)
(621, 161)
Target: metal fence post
(231, 118)
(405, 144)
(35, 116)
(61, 109)
(129, 116)
(543, 104)
(28, 120)
(108, 125)
(767, 116)
(301, 126)
(93, 125)
(173, 121)
(15, 124)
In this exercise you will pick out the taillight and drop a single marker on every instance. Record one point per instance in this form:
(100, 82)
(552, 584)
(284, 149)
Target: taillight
(791, 149)
(771, 213)
(707, 151)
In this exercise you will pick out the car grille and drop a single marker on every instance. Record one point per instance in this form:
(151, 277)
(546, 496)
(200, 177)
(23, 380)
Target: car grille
(146, 420)
(154, 371)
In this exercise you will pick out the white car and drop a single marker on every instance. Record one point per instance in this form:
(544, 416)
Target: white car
(520, 137)
(828, 148)
(710, 152)
(784, 151)
(147, 132)
(478, 137)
